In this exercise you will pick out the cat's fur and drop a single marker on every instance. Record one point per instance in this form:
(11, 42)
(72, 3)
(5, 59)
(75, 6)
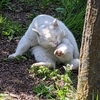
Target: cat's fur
(51, 41)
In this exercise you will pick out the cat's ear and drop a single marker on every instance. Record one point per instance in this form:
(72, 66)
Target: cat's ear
(55, 22)
(36, 31)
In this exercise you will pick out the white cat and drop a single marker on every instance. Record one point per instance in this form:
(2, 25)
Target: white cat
(50, 41)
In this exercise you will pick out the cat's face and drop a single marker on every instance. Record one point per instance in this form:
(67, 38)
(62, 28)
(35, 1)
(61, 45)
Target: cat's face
(49, 35)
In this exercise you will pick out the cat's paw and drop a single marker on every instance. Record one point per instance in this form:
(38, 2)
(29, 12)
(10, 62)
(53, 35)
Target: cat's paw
(46, 64)
(58, 53)
(73, 64)
(12, 56)
(71, 67)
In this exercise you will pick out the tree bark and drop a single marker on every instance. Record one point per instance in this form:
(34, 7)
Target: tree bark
(89, 70)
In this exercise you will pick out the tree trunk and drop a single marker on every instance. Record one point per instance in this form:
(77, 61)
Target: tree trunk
(88, 87)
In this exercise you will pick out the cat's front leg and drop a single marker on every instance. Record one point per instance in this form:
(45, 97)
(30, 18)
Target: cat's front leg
(64, 48)
(23, 46)
(64, 52)
(66, 57)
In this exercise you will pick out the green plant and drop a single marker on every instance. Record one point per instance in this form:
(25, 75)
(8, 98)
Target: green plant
(10, 29)
(20, 58)
(44, 90)
(62, 88)
(72, 13)
(65, 91)
(44, 72)
(95, 96)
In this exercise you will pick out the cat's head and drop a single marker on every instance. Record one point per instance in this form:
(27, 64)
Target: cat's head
(49, 35)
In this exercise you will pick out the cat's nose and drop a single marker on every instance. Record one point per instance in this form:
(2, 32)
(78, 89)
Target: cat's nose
(57, 43)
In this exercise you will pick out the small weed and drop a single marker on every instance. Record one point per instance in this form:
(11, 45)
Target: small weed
(44, 90)
(95, 96)
(44, 72)
(6, 59)
(20, 58)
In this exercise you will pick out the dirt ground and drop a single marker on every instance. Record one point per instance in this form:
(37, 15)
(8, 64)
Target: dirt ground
(14, 76)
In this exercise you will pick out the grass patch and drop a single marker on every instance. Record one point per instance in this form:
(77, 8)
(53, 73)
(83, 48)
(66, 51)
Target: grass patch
(61, 88)
(10, 29)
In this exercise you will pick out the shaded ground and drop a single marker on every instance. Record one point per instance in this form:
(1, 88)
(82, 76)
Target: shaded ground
(14, 76)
